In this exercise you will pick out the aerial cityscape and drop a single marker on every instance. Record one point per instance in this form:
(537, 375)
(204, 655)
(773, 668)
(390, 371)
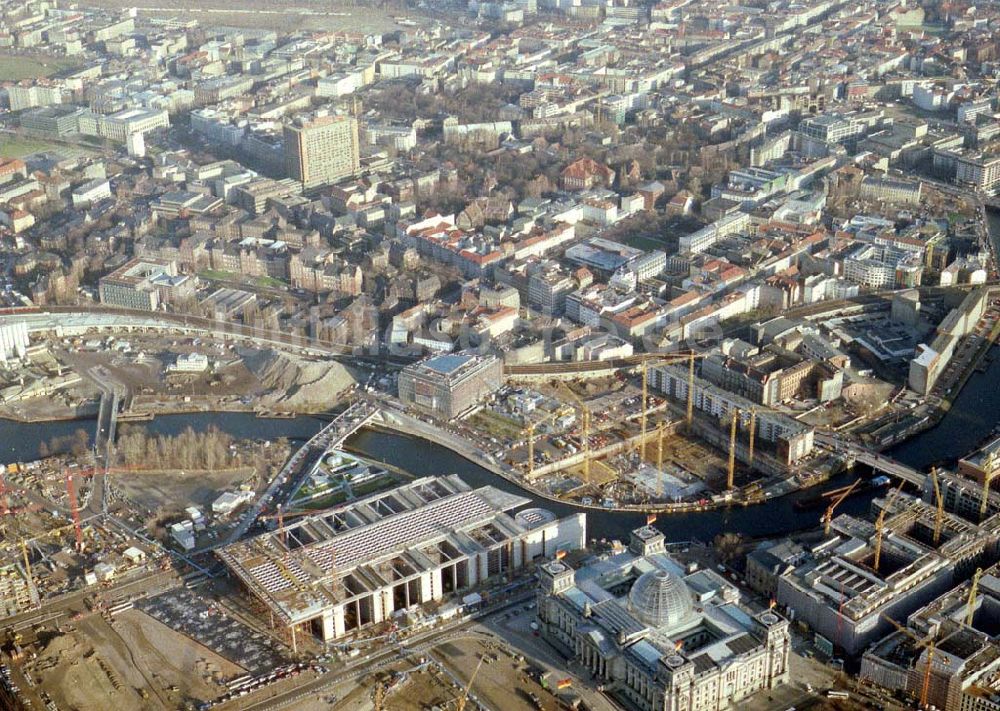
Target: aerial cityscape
(499, 355)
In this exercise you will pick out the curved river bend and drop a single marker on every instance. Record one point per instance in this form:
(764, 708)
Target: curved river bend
(972, 417)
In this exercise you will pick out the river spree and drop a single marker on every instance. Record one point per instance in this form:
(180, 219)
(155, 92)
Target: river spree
(972, 417)
(19, 442)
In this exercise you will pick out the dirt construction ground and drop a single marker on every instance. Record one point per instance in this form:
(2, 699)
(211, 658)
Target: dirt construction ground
(104, 666)
(499, 684)
(174, 490)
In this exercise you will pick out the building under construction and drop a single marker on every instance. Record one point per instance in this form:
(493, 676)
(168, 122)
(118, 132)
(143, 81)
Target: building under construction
(339, 571)
(17, 591)
(970, 499)
(790, 439)
(866, 572)
(948, 654)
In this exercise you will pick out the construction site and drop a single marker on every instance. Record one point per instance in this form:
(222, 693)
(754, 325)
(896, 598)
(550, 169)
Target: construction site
(654, 435)
(57, 539)
(948, 651)
(393, 558)
(62, 378)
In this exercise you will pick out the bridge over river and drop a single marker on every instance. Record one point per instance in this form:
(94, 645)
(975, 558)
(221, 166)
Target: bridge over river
(878, 462)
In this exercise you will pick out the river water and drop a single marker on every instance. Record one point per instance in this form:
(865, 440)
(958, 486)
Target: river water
(972, 417)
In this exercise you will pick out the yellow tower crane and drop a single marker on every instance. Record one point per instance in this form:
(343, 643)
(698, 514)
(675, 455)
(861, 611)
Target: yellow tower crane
(970, 606)
(27, 561)
(939, 506)
(529, 431)
(643, 421)
(929, 643)
(984, 500)
(690, 394)
(989, 471)
(731, 473)
(460, 706)
(642, 417)
(880, 525)
(753, 433)
(659, 457)
(828, 514)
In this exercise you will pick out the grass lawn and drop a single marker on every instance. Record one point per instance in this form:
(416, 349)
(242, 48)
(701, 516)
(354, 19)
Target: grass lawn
(17, 147)
(219, 275)
(496, 424)
(271, 282)
(324, 502)
(370, 487)
(16, 68)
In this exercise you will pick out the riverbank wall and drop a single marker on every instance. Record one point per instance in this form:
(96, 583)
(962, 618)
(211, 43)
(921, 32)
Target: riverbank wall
(398, 422)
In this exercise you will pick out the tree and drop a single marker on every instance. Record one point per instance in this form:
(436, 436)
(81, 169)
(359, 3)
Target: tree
(728, 546)
(80, 443)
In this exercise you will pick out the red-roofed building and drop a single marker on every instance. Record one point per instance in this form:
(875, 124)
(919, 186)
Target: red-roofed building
(586, 173)
(10, 167)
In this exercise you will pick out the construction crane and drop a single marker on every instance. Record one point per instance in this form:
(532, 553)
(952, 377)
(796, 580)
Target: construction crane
(645, 393)
(929, 644)
(645, 399)
(753, 433)
(828, 514)
(939, 504)
(984, 500)
(689, 418)
(27, 561)
(970, 606)
(731, 472)
(460, 706)
(880, 525)
(530, 434)
(74, 510)
(585, 429)
(659, 458)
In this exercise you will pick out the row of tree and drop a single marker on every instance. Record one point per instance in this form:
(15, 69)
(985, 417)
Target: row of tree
(75, 444)
(211, 449)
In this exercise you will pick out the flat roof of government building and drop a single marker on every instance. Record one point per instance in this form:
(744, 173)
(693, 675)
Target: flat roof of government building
(447, 364)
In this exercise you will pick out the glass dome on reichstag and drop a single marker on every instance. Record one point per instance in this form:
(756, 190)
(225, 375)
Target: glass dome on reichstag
(660, 599)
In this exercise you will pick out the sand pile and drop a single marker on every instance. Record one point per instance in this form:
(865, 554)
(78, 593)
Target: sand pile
(293, 383)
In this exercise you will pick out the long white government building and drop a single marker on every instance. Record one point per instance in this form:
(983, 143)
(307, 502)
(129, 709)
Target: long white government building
(339, 571)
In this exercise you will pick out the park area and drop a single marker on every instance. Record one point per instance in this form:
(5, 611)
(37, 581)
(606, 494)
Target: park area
(18, 147)
(15, 67)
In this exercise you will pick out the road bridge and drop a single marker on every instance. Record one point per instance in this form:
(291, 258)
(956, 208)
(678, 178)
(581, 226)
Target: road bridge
(878, 462)
(288, 480)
